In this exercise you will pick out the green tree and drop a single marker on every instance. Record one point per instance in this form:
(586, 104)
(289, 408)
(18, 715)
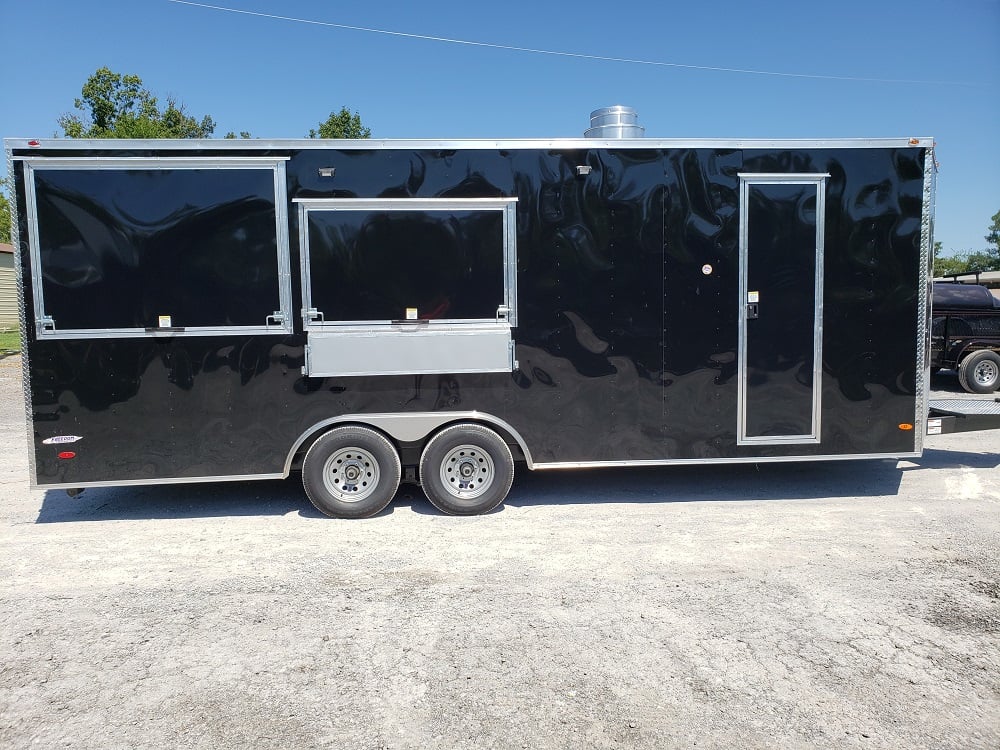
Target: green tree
(949, 264)
(993, 239)
(342, 124)
(4, 219)
(971, 262)
(981, 261)
(113, 105)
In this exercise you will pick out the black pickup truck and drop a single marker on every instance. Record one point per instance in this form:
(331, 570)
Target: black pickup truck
(965, 334)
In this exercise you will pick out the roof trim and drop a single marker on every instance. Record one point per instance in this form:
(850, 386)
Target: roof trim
(225, 144)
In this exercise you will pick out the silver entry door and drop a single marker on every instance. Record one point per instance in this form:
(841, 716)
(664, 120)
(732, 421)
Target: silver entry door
(781, 308)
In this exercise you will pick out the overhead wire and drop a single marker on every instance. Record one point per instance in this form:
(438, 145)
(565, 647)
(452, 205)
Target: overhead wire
(558, 53)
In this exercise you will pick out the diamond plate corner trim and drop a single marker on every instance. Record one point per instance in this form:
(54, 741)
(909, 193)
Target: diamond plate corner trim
(923, 302)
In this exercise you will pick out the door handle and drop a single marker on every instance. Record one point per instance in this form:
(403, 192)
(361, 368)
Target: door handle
(752, 313)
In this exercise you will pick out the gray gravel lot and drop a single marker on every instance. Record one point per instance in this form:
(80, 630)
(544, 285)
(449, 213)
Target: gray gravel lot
(847, 604)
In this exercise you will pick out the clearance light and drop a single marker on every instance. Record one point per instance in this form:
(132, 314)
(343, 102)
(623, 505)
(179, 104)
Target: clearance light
(906, 426)
(34, 144)
(67, 454)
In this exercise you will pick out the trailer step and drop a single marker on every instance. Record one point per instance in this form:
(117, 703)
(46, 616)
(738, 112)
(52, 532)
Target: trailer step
(966, 405)
(949, 415)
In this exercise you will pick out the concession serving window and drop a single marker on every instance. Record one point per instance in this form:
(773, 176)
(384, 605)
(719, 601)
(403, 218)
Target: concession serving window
(408, 285)
(130, 247)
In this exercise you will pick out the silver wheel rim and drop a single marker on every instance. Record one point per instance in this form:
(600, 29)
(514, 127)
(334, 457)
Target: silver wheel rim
(985, 372)
(351, 474)
(467, 471)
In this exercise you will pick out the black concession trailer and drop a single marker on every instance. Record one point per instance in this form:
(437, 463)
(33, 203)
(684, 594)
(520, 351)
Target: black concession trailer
(371, 312)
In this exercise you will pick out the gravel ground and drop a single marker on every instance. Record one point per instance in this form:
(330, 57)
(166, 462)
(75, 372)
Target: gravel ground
(841, 605)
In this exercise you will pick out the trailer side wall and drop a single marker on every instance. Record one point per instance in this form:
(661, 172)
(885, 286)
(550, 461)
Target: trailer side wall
(628, 301)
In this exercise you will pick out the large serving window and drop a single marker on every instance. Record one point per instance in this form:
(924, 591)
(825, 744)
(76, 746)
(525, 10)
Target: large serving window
(401, 286)
(130, 247)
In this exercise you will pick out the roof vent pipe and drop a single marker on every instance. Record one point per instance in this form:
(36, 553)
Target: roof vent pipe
(614, 122)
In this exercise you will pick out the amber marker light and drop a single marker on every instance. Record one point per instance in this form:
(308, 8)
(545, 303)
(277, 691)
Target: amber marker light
(906, 426)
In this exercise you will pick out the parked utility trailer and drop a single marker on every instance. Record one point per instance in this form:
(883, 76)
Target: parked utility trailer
(965, 334)
(370, 312)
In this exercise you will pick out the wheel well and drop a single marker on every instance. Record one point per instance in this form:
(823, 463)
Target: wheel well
(409, 433)
(971, 347)
(516, 449)
(294, 461)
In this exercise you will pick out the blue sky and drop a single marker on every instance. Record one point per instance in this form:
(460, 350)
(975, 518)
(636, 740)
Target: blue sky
(278, 78)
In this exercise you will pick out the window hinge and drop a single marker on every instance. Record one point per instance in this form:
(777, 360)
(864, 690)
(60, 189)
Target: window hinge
(503, 312)
(311, 314)
(46, 323)
(276, 318)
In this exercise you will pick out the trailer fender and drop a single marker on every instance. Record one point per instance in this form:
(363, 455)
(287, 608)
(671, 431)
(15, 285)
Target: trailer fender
(962, 349)
(410, 427)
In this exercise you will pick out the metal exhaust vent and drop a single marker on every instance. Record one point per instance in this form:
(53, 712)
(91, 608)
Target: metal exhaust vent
(614, 122)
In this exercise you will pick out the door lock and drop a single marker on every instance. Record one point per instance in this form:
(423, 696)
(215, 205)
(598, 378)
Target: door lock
(752, 310)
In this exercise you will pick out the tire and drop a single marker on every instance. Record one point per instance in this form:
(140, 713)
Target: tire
(980, 372)
(466, 469)
(351, 472)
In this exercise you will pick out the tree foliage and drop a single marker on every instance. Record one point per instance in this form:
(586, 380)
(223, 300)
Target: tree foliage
(4, 219)
(971, 262)
(959, 263)
(113, 105)
(342, 124)
(948, 265)
(993, 236)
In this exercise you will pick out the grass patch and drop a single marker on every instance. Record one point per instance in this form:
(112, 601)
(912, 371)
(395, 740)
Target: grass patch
(10, 340)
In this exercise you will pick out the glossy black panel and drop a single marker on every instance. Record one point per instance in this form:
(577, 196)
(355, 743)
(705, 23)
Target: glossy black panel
(781, 272)
(590, 288)
(119, 248)
(373, 265)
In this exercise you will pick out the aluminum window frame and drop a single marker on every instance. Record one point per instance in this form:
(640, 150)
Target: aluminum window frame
(509, 239)
(747, 180)
(282, 317)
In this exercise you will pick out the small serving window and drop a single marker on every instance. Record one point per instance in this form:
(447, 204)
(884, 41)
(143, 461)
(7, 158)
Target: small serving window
(408, 286)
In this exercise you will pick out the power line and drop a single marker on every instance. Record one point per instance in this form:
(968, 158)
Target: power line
(577, 55)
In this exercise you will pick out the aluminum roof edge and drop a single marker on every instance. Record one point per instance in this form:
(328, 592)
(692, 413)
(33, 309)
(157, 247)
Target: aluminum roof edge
(224, 144)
